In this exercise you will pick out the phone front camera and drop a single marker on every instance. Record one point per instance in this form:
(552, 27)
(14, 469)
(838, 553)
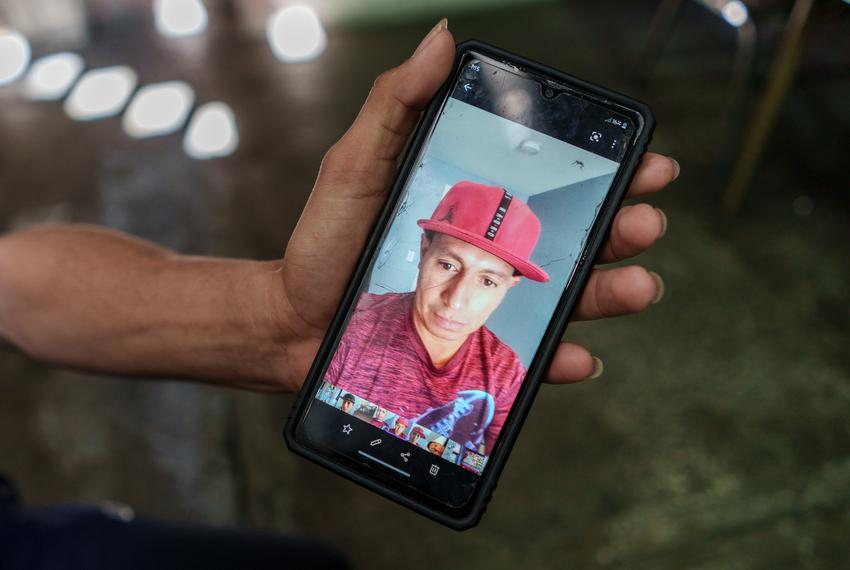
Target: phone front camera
(548, 92)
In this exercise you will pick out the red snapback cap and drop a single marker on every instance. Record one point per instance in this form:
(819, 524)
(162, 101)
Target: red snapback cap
(490, 217)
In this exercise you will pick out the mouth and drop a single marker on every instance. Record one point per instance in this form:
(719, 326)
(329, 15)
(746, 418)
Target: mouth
(448, 324)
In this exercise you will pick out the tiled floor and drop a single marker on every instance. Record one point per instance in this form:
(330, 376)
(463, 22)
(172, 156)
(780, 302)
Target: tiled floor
(718, 436)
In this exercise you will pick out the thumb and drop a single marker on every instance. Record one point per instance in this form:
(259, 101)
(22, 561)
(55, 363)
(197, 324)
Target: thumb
(370, 148)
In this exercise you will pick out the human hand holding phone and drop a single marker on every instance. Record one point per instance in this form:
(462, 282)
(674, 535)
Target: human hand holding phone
(352, 186)
(147, 311)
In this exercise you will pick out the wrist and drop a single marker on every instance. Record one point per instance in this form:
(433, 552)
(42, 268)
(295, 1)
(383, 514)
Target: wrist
(294, 340)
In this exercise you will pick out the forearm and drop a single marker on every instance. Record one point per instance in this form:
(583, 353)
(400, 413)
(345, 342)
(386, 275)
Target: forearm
(100, 300)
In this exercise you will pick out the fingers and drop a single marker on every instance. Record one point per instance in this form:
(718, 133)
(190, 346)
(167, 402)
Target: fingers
(609, 293)
(373, 143)
(634, 230)
(618, 291)
(622, 290)
(573, 363)
(654, 173)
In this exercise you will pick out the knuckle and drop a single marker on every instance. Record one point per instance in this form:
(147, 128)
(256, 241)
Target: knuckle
(640, 229)
(332, 156)
(634, 290)
(338, 165)
(383, 81)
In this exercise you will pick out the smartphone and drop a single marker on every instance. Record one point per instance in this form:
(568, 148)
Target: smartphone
(467, 281)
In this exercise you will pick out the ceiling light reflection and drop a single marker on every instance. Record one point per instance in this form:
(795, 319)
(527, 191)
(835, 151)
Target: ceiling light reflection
(14, 55)
(51, 77)
(158, 109)
(101, 93)
(735, 13)
(212, 132)
(175, 18)
(516, 102)
(296, 34)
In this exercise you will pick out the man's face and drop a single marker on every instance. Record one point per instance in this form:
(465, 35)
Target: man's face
(380, 414)
(459, 286)
(346, 405)
(399, 428)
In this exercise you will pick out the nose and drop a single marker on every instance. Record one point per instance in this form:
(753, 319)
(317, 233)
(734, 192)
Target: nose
(456, 291)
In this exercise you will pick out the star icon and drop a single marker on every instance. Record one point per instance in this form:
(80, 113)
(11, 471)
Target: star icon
(346, 429)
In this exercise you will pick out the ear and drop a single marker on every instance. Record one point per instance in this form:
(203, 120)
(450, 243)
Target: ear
(514, 280)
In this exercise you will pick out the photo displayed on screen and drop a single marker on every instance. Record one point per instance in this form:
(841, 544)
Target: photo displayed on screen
(486, 236)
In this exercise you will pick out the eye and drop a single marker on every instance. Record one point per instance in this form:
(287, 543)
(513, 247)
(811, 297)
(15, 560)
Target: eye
(489, 283)
(446, 265)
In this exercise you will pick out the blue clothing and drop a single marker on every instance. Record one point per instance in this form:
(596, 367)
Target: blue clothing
(75, 537)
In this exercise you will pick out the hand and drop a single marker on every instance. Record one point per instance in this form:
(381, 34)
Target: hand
(354, 178)
(622, 290)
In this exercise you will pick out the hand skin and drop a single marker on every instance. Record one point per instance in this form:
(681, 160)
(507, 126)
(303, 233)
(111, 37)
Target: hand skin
(99, 300)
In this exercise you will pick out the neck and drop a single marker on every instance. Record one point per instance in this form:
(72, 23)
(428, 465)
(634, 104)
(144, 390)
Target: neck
(439, 350)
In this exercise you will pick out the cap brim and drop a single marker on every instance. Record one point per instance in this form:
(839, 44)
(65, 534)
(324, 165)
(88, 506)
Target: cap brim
(525, 267)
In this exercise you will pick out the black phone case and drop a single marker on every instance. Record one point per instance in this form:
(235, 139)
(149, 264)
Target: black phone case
(469, 516)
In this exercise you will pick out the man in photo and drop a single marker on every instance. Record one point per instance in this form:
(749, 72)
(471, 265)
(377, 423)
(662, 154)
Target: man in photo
(427, 354)
(418, 437)
(437, 445)
(347, 404)
(400, 427)
(379, 419)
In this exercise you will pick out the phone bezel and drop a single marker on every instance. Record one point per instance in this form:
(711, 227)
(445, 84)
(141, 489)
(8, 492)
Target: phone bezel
(468, 515)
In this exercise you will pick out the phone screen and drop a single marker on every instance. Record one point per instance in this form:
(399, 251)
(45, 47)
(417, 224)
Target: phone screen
(484, 240)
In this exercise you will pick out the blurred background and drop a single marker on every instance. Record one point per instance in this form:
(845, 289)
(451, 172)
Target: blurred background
(719, 435)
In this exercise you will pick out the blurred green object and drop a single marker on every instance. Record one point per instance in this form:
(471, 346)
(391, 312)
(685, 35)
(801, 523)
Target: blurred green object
(384, 12)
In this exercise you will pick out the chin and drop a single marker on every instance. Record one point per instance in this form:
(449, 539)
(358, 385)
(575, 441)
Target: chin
(445, 334)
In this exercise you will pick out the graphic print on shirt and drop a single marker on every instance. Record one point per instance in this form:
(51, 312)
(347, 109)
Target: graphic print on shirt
(465, 419)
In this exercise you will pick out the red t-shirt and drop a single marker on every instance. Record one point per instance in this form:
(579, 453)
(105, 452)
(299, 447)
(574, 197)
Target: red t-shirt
(382, 359)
